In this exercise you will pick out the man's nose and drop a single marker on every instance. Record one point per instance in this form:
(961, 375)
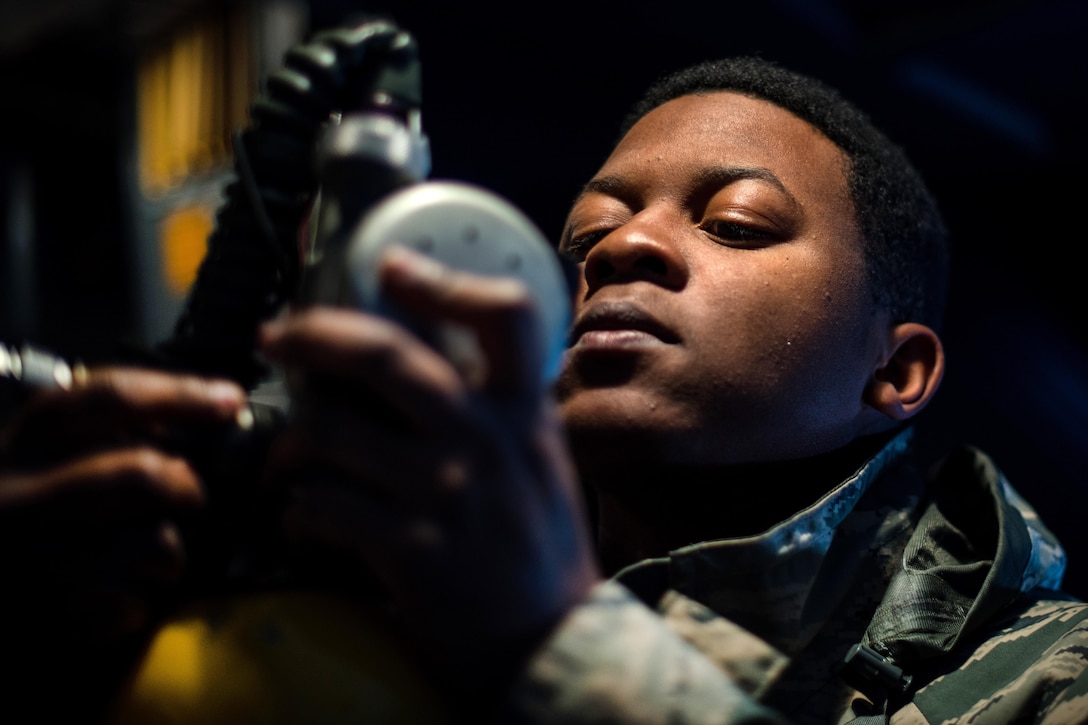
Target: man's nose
(641, 250)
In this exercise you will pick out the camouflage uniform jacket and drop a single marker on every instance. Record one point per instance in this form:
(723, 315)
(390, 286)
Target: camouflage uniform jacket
(944, 597)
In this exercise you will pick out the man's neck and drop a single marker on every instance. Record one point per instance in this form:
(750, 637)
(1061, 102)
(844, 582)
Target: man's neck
(653, 511)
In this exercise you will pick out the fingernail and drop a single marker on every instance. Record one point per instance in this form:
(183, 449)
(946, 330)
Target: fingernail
(80, 375)
(244, 419)
(226, 395)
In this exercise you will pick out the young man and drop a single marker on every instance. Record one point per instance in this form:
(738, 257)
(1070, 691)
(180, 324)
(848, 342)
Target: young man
(762, 280)
(761, 286)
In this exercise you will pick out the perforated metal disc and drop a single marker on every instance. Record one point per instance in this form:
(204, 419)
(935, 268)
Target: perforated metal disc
(467, 228)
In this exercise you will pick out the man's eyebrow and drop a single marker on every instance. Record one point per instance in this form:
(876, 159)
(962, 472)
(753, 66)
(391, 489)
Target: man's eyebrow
(714, 177)
(717, 177)
(609, 185)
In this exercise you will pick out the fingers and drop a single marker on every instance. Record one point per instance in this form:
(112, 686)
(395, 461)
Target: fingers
(397, 368)
(98, 580)
(111, 403)
(498, 310)
(107, 485)
(428, 461)
(139, 393)
(124, 577)
(427, 475)
(371, 354)
(87, 496)
(384, 536)
(153, 553)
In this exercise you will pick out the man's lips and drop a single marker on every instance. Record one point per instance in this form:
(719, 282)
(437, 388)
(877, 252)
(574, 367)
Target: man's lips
(618, 324)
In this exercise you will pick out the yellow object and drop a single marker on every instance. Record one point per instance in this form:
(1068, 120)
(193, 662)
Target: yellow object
(194, 85)
(276, 658)
(184, 238)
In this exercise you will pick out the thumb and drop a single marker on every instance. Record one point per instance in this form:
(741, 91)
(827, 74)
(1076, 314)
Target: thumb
(500, 313)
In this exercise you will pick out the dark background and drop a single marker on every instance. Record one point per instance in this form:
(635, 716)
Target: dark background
(988, 98)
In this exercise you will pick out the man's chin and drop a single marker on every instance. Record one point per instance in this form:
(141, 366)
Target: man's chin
(617, 374)
(615, 436)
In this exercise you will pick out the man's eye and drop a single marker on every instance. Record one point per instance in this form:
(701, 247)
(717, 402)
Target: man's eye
(579, 245)
(733, 232)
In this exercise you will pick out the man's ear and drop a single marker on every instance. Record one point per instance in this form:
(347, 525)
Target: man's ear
(908, 374)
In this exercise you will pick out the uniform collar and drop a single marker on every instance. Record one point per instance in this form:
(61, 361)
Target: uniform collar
(782, 584)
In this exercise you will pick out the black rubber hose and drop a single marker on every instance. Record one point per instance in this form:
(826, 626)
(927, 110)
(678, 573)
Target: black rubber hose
(252, 265)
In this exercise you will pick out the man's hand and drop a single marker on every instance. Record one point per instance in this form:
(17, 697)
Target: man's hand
(89, 501)
(452, 484)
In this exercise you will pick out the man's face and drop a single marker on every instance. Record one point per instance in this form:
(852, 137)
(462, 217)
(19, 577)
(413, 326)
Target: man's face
(723, 314)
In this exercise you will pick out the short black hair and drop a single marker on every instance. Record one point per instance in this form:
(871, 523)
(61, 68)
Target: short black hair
(906, 248)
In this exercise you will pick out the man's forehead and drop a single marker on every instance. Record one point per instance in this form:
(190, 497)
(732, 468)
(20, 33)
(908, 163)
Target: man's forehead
(727, 118)
(712, 176)
(729, 135)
